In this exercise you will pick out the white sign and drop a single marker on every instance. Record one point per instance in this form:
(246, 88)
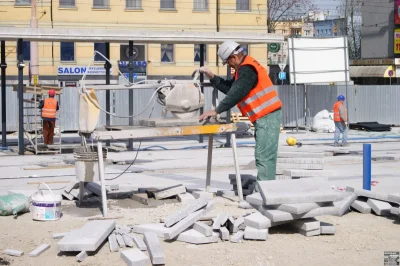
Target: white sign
(282, 66)
(80, 70)
(318, 60)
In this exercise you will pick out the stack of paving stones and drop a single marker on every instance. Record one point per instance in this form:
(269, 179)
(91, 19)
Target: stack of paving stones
(296, 202)
(248, 185)
(155, 197)
(293, 165)
(374, 202)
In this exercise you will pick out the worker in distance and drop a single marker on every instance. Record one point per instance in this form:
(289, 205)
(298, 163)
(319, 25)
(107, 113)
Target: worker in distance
(340, 119)
(49, 107)
(252, 91)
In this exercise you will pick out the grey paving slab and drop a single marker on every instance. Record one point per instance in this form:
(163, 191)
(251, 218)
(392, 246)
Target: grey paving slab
(327, 229)
(13, 252)
(159, 229)
(81, 256)
(185, 211)
(169, 192)
(306, 173)
(39, 250)
(307, 224)
(194, 237)
(202, 228)
(112, 243)
(224, 233)
(395, 210)
(361, 206)
(239, 222)
(185, 198)
(316, 232)
(379, 207)
(255, 234)
(138, 242)
(128, 240)
(135, 257)
(257, 221)
(58, 235)
(87, 238)
(156, 253)
(120, 241)
(237, 237)
(374, 195)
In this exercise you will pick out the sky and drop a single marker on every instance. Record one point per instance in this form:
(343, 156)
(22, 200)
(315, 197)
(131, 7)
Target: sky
(328, 5)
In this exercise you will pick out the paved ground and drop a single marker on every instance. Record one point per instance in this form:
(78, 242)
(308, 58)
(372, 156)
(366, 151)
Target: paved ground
(359, 239)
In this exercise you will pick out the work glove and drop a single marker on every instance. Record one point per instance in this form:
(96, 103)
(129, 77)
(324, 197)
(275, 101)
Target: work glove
(206, 71)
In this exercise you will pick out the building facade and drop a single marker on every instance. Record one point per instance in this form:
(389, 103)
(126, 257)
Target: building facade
(330, 27)
(63, 63)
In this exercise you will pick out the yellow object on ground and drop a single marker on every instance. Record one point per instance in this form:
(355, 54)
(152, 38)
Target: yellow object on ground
(291, 141)
(89, 112)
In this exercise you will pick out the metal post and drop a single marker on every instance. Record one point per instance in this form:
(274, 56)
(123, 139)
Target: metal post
(295, 86)
(367, 166)
(102, 179)
(20, 64)
(237, 169)
(228, 113)
(202, 46)
(3, 95)
(209, 161)
(130, 67)
(346, 73)
(107, 66)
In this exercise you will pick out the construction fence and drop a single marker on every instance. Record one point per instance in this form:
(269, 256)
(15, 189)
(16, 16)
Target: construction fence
(365, 104)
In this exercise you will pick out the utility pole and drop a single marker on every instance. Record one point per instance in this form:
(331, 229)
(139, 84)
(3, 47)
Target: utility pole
(34, 48)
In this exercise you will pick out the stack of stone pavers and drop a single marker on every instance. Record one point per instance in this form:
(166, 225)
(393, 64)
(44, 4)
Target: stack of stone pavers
(297, 202)
(292, 165)
(248, 185)
(379, 203)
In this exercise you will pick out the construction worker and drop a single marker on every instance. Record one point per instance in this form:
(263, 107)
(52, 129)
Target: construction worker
(340, 119)
(49, 107)
(252, 91)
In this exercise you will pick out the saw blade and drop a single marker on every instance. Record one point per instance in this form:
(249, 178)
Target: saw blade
(184, 115)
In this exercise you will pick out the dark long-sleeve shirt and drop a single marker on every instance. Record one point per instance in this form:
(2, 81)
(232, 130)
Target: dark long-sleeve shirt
(235, 90)
(41, 104)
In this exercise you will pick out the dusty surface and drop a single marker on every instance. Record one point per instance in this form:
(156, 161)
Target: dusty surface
(361, 239)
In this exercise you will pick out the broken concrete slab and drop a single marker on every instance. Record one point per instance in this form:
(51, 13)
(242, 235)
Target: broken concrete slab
(169, 192)
(255, 234)
(316, 232)
(224, 233)
(112, 242)
(156, 253)
(39, 250)
(188, 221)
(257, 221)
(327, 229)
(81, 256)
(379, 207)
(138, 242)
(307, 224)
(88, 238)
(237, 237)
(375, 195)
(361, 206)
(308, 190)
(128, 240)
(194, 237)
(202, 228)
(159, 229)
(135, 257)
(120, 241)
(185, 211)
(185, 198)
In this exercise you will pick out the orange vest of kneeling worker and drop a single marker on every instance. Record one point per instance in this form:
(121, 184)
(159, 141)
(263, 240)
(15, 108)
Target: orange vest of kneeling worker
(49, 109)
(263, 98)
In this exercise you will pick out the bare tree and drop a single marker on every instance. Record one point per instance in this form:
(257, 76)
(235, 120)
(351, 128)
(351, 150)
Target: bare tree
(280, 9)
(351, 11)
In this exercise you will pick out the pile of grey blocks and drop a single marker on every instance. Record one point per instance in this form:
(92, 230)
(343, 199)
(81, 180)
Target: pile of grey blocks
(297, 201)
(248, 185)
(374, 202)
(293, 165)
(71, 191)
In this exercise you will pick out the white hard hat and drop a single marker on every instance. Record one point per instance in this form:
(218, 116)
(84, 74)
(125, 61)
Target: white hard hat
(226, 49)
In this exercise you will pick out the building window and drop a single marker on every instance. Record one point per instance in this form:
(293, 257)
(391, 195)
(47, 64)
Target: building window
(67, 51)
(100, 4)
(197, 53)
(67, 3)
(26, 45)
(329, 32)
(167, 4)
(167, 53)
(100, 47)
(200, 5)
(283, 31)
(22, 2)
(133, 4)
(243, 5)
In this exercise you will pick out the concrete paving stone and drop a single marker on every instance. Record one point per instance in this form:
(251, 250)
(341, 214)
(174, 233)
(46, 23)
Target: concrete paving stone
(239, 222)
(307, 224)
(128, 240)
(159, 229)
(188, 221)
(237, 237)
(202, 228)
(141, 197)
(379, 207)
(361, 206)
(308, 190)
(305, 166)
(58, 235)
(122, 229)
(194, 237)
(39, 250)
(169, 192)
(257, 221)
(382, 158)
(135, 257)
(86, 193)
(185, 211)
(94, 188)
(224, 233)
(255, 199)
(327, 229)
(138, 242)
(298, 208)
(306, 173)
(283, 154)
(156, 253)
(203, 195)
(316, 232)
(112, 242)
(374, 195)
(301, 160)
(224, 218)
(395, 210)
(255, 234)
(81, 256)
(217, 222)
(120, 241)
(343, 206)
(88, 238)
(13, 252)
(186, 198)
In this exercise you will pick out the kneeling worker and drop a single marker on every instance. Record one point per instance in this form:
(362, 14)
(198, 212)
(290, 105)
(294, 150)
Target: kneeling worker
(49, 107)
(253, 92)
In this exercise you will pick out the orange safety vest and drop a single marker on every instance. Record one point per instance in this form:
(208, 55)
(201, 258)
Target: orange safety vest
(49, 109)
(263, 98)
(336, 113)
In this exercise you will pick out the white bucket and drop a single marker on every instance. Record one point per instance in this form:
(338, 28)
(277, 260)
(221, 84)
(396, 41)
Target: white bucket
(45, 207)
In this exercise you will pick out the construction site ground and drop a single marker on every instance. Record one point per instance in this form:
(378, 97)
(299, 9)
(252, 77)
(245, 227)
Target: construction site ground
(360, 239)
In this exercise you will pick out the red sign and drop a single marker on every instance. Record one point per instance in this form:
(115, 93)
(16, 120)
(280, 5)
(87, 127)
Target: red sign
(397, 13)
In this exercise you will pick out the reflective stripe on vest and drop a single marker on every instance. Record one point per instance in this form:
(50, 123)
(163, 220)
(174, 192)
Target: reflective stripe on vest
(49, 109)
(336, 112)
(263, 98)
